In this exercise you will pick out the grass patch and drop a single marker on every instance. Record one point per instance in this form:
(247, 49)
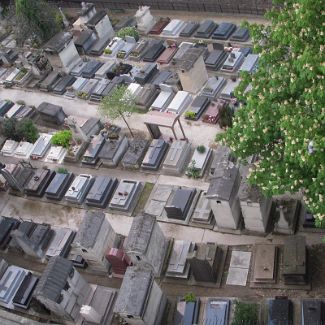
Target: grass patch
(147, 189)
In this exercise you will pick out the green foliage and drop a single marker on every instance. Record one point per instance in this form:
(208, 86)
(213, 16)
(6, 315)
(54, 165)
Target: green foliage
(107, 51)
(128, 31)
(226, 117)
(245, 314)
(62, 170)
(190, 115)
(190, 297)
(283, 119)
(82, 95)
(192, 171)
(118, 104)
(62, 138)
(201, 148)
(24, 130)
(37, 19)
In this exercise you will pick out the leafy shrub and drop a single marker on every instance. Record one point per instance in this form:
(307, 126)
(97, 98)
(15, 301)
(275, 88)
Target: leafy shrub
(190, 115)
(192, 171)
(107, 51)
(128, 31)
(226, 116)
(24, 130)
(190, 297)
(62, 170)
(201, 148)
(62, 138)
(82, 95)
(245, 314)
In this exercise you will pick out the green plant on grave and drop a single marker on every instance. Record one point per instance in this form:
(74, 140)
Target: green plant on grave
(62, 138)
(107, 51)
(62, 170)
(192, 171)
(201, 148)
(245, 314)
(128, 31)
(190, 115)
(190, 297)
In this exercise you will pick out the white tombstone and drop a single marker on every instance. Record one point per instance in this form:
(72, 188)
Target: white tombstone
(145, 21)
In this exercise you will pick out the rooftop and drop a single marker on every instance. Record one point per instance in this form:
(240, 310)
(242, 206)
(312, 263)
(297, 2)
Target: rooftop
(96, 18)
(189, 58)
(58, 42)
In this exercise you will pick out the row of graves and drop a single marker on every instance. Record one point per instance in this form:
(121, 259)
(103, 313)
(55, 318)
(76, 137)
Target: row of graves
(146, 253)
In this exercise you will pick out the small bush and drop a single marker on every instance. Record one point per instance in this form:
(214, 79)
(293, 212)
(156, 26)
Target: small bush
(107, 51)
(190, 115)
(201, 149)
(62, 170)
(62, 138)
(245, 314)
(192, 171)
(190, 297)
(128, 31)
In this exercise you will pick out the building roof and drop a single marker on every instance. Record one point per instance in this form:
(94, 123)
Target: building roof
(54, 278)
(140, 233)
(221, 187)
(93, 21)
(189, 58)
(58, 42)
(83, 37)
(89, 228)
(133, 292)
(50, 109)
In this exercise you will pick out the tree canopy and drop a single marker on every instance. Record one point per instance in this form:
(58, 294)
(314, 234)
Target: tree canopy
(118, 104)
(37, 19)
(23, 130)
(282, 119)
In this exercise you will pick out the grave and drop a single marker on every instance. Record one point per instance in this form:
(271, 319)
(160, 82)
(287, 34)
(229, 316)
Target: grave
(58, 186)
(224, 31)
(155, 154)
(90, 157)
(173, 28)
(250, 63)
(113, 151)
(178, 267)
(223, 159)
(215, 59)
(246, 51)
(52, 114)
(129, 45)
(133, 89)
(61, 86)
(264, 263)
(135, 153)
(145, 21)
(280, 311)
(16, 108)
(205, 29)
(85, 41)
(56, 154)
(155, 48)
(213, 87)
(101, 191)
(41, 146)
(126, 196)
(201, 160)
(286, 217)
(9, 147)
(179, 207)
(97, 93)
(5, 106)
(38, 183)
(189, 29)
(76, 87)
(48, 83)
(177, 157)
(203, 215)
(239, 267)
(23, 150)
(146, 244)
(113, 47)
(197, 108)
(179, 103)
(60, 242)
(101, 25)
(164, 98)
(204, 262)
(78, 68)
(139, 50)
(87, 90)
(187, 312)
(79, 189)
(240, 35)
(168, 54)
(25, 227)
(312, 311)
(233, 62)
(145, 73)
(295, 260)
(118, 260)
(217, 312)
(159, 25)
(161, 77)
(212, 114)
(147, 96)
(25, 112)
(101, 72)
(182, 49)
(7, 225)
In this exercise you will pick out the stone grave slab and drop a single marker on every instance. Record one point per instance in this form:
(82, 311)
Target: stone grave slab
(239, 267)
(237, 276)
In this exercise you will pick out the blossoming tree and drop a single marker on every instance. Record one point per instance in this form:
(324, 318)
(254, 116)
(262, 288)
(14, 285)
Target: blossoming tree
(283, 116)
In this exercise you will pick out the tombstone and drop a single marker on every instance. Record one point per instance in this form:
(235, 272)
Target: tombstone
(240, 35)
(216, 59)
(239, 268)
(60, 243)
(159, 26)
(6, 226)
(204, 261)
(198, 106)
(287, 212)
(178, 266)
(223, 158)
(217, 311)
(179, 206)
(223, 31)
(166, 56)
(39, 182)
(126, 196)
(101, 25)
(164, 98)
(280, 311)
(205, 29)
(203, 215)
(135, 153)
(90, 157)
(56, 154)
(113, 151)
(173, 28)
(62, 85)
(312, 312)
(189, 28)
(9, 147)
(58, 186)
(145, 21)
(200, 160)
(155, 154)
(139, 50)
(250, 63)
(118, 260)
(295, 260)
(24, 150)
(147, 96)
(79, 188)
(101, 191)
(233, 62)
(145, 73)
(265, 263)
(177, 157)
(179, 103)
(155, 48)
(213, 87)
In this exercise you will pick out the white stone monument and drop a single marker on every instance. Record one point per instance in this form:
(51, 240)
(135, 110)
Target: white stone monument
(145, 21)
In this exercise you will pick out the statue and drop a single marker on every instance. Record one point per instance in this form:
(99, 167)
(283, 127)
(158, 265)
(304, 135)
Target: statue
(145, 21)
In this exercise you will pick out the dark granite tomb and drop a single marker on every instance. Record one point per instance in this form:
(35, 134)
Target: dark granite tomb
(39, 182)
(90, 69)
(215, 59)
(135, 153)
(280, 311)
(155, 154)
(58, 186)
(224, 31)
(189, 29)
(24, 294)
(6, 226)
(154, 50)
(240, 35)
(145, 73)
(61, 86)
(90, 157)
(198, 106)
(205, 29)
